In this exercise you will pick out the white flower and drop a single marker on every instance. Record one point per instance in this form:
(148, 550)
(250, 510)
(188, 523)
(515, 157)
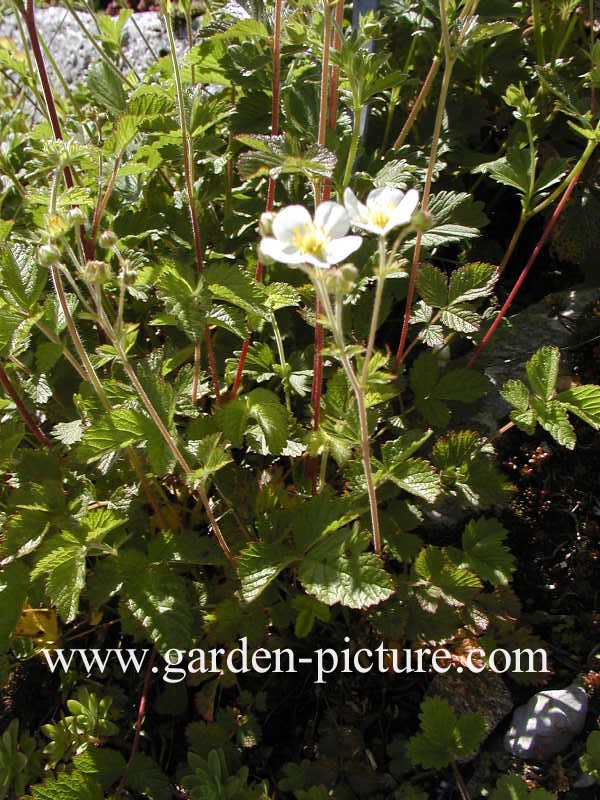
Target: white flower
(385, 209)
(298, 239)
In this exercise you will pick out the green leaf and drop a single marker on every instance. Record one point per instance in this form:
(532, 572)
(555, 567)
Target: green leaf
(73, 786)
(463, 320)
(432, 285)
(471, 282)
(584, 401)
(526, 421)
(484, 31)
(590, 760)
(510, 170)
(232, 417)
(418, 478)
(542, 371)
(259, 565)
(281, 295)
(424, 375)
(485, 553)
(105, 764)
(64, 565)
(553, 417)
(443, 737)
(433, 565)
(211, 455)
(517, 394)
(105, 88)
(462, 385)
(68, 433)
(154, 597)
(14, 583)
(235, 286)
(120, 429)
(337, 570)
(309, 610)
(511, 787)
(147, 778)
(23, 278)
(458, 448)
(271, 432)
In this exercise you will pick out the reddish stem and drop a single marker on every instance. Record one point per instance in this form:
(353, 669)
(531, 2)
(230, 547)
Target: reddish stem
(28, 14)
(275, 90)
(519, 282)
(139, 721)
(27, 418)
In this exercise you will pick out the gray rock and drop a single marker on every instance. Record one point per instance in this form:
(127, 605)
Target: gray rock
(547, 723)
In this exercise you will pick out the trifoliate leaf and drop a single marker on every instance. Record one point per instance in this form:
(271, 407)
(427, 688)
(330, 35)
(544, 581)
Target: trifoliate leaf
(232, 284)
(443, 737)
(462, 385)
(272, 418)
(511, 787)
(105, 88)
(73, 786)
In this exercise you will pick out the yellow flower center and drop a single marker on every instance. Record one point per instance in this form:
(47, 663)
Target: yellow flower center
(309, 239)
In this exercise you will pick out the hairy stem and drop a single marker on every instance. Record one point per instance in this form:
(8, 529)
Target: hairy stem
(420, 100)
(26, 416)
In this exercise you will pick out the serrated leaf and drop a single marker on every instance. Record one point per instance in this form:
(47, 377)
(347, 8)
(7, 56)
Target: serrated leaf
(23, 278)
(463, 320)
(418, 478)
(272, 420)
(542, 371)
(424, 375)
(68, 433)
(145, 777)
(471, 282)
(105, 764)
(432, 565)
(232, 418)
(525, 420)
(73, 786)
(485, 552)
(517, 394)
(510, 170)
(458, 448)
(281, 295)
(14, 583)
(155, 598)
(443, 737)
(432, 285)
(590, 760)
(232, 284)
(553, 417)
(337, 570)
(64, 567)
(490, 30)
(105, 88)
(584, 401)
(259, 565)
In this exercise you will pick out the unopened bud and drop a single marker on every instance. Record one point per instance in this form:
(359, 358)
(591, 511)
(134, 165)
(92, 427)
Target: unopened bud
(97, 272)
(107, 239)
(128, 274)
(76, 216)
(265, 223)
(48, 254)
(422, 220)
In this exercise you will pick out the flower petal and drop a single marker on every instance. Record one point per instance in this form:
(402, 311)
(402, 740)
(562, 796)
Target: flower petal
(404, 211)
(281, 251)
(288, 220)
(386, 197)
(333, 218)
(339, 249)
(357, 211)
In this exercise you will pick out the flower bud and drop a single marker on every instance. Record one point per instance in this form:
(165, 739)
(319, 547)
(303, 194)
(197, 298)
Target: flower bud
(97, 272)
(76, 216)
(265, 223)
(422, 220)
(128, 274)
(48, 254)
(107, 239)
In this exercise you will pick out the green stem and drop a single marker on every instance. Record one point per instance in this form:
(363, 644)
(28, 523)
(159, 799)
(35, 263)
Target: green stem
(583, 159)
(538, 32)
(375, 313)
(334, 318)
(282, 361)
(353, 149)
(513, 242)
